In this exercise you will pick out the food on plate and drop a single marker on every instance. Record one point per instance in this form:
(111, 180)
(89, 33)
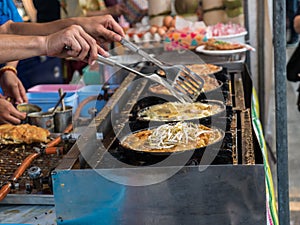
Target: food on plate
(210, 84)
(204, 69)
(176, 111)
(175, 137)
(213, 44)
(24, 133)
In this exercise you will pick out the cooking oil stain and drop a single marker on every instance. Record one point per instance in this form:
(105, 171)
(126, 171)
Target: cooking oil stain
(12, 211)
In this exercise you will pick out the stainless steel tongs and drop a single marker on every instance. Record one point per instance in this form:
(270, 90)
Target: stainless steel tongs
(154, 77)
(183, 79)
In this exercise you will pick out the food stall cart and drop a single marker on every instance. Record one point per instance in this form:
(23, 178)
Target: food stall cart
(152, 203)
(128, 188)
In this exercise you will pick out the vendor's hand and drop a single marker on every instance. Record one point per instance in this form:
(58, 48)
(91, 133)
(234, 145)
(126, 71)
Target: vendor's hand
(9, 114)
(12, 87)
(73, 42)
(102, 28)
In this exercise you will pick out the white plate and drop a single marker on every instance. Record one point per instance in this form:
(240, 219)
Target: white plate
(219, 52)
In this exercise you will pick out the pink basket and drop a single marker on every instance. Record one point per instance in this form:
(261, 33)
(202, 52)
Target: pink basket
(54, 88)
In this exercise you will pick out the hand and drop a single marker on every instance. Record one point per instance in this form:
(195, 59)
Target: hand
(102, 28)
(80, 45)
(9, 114)
(13, 87)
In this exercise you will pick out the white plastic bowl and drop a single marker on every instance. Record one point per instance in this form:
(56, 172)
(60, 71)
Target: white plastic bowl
(237, 38)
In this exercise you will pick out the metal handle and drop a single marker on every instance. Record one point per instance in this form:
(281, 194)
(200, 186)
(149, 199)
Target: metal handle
(129, 45)
(59, 101)
(106, 61)
(111, 62)
(153, 77)
(141, 52)
(61, 92)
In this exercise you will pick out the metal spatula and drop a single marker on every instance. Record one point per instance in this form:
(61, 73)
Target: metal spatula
(154, 77)
(184, 80)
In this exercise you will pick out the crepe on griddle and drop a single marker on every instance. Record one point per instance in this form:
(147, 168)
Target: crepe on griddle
(170, 138)
(210, 84)
(204, 69)
(177, 111)
(24, 133)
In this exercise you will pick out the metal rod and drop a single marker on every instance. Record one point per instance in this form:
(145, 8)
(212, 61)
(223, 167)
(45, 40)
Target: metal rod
(247, 37)
(279, 41)
(261, 59)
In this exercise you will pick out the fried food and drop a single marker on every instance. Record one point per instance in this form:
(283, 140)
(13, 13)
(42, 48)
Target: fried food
(24, 133)
(176, 137)
(204, 69)
(213, 44)
(210, 84)
(176, 111)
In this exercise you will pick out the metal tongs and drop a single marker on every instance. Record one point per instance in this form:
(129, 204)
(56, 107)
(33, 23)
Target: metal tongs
(184, 80)
(154, 77)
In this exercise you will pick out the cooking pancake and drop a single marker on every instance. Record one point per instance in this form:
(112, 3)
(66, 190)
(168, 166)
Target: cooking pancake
(204, 69)
(210, 84)
(176, 111)
(170, 138)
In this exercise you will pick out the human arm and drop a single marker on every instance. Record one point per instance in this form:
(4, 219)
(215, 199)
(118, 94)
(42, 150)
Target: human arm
(81, 45)
(11, 85)
(100, 27)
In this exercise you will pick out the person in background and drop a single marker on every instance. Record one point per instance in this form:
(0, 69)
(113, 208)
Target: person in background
(47, 10)
(296, 27)
(79, 38)
(291, 12)
(296, 22)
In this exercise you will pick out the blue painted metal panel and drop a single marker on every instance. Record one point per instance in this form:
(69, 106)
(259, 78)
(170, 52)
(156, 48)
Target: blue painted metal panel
(216, 195)
(86, 198)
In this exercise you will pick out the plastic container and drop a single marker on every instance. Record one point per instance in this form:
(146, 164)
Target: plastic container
(48, 100)
(92, 77)
(235, 38)
(92, 90)
(54, 88)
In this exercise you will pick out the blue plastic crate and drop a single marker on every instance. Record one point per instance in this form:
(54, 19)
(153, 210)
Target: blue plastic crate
(92, 90)
(49, 100)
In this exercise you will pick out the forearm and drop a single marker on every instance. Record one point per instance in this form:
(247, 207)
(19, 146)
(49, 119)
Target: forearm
(15, 47)
(37, 28)
(97, 12)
